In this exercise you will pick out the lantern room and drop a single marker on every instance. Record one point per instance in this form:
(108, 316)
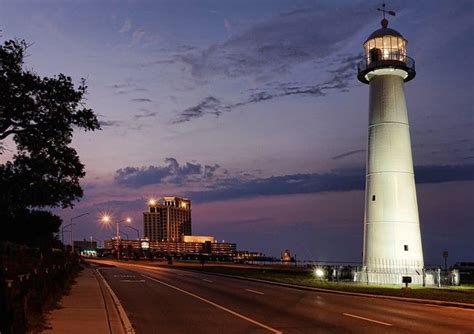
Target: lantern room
(385, 51)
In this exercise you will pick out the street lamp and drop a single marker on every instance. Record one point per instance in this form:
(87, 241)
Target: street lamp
(72, 225)
(63, 229)
(107, 220)
(136, 230)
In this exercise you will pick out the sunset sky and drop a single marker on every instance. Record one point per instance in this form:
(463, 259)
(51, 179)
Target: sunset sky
(252, 110)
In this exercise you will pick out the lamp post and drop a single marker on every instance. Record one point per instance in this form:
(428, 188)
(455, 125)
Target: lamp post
(72, 225)
(63, 229)
(136, 230)
(107, 220)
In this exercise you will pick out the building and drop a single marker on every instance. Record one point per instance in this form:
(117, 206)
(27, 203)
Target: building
(176, 248)
(392, 239)
(167, 220)
(80, 245)
(167, 227)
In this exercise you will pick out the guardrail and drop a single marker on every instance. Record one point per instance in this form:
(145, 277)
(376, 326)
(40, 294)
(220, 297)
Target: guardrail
(27, 283)
(398, 61)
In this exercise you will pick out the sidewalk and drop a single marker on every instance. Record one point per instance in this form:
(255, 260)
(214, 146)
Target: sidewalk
(88, 308)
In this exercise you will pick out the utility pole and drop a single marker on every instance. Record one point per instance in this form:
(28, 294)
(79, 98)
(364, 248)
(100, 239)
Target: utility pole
(117, 237)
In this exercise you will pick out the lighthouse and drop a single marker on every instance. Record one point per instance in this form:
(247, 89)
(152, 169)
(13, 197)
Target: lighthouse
(392, 238)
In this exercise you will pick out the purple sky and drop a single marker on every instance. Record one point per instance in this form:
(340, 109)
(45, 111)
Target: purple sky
(252, 109)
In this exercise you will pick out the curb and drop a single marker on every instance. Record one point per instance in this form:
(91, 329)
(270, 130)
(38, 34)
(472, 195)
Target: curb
(347, 293)
(127, 326)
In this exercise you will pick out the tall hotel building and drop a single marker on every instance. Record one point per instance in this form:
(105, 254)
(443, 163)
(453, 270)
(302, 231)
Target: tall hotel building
(168, 219)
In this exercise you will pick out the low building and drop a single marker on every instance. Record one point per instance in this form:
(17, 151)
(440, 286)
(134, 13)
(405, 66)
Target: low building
(206, 247)
(247, 255)
(80, 245)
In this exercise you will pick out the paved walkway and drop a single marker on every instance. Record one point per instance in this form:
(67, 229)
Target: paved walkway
(88, 308)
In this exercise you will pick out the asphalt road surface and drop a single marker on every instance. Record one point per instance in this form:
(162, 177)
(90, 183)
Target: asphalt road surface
(165, 300)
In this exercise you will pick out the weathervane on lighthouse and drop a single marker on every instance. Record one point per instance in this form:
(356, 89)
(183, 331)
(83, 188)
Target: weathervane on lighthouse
(384, 11)
(392, 238)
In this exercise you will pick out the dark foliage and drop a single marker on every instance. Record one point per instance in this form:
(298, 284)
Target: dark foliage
(39, 115)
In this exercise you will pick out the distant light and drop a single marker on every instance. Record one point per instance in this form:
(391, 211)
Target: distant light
(105, 218)
(128, 220)
(319, 272)
(152, 201)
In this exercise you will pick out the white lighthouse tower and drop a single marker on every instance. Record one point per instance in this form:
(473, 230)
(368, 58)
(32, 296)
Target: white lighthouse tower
(392, 239)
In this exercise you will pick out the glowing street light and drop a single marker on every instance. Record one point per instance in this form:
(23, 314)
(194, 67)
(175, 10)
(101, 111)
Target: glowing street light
(106, 219)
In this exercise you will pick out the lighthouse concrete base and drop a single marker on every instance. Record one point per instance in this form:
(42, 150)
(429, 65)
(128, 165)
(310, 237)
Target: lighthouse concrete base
(381, 278)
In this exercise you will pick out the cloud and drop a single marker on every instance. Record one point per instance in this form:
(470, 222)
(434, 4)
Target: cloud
(340, 180)
(446, 173)
(145, 113)
(341, 77)
(210, 170)
(127, 87)
(141, 100)
(171, 173)
(120, 86)
(109, 123)
(346, 154)
(237, 187)
(282, 41)
(127, 25)
(210, 105)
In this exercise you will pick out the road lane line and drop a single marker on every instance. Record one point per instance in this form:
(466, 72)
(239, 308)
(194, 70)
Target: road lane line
(255, 322)
(207, 280)
(367, 319)
(255, 291)
(122, 314)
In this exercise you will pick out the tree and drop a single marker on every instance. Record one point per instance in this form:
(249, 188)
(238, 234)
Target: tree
(39, 116)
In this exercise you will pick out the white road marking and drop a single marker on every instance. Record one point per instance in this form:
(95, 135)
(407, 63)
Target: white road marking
(132, 281)
(367, 319)
(255, 322)
(255, 291)
(207, 280)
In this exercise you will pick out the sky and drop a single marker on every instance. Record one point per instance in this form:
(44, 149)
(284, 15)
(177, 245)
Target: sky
(252, 110)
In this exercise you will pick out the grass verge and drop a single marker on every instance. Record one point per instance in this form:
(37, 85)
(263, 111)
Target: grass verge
(461, 294)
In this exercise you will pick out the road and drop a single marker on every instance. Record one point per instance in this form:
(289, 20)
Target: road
(166, 300)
